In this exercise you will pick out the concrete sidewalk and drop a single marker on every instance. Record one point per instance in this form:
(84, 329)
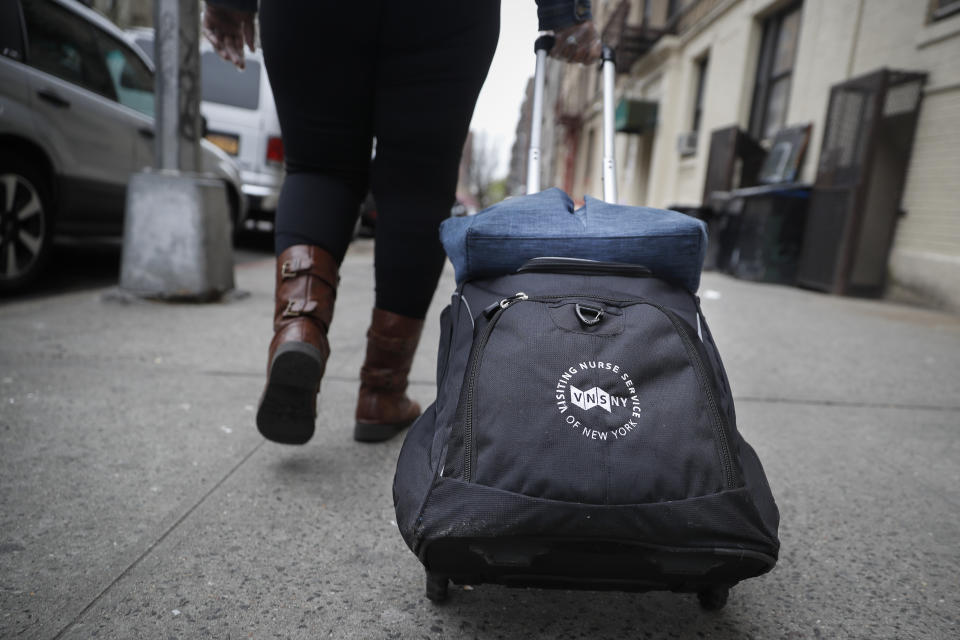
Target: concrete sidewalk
(138, 500)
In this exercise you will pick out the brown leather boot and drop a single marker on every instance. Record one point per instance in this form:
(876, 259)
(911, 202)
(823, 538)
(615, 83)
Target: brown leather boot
(305, 292)
(383, 408)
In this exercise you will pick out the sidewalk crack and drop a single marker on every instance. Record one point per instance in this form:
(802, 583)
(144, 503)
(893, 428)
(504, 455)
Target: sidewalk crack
(153, 545)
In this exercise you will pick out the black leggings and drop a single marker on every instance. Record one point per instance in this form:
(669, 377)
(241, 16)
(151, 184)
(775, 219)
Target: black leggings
(406, 73)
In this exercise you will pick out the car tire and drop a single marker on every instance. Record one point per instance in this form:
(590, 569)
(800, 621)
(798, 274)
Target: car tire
(26, 222)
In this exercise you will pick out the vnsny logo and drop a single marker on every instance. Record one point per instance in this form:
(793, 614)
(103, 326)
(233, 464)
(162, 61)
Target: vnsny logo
(575, 404)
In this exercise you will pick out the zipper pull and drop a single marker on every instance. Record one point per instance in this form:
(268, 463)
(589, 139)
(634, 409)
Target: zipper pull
(503, 304)
(517, 297)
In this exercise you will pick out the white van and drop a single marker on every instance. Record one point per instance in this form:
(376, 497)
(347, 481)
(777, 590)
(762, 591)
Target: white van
(242, 120)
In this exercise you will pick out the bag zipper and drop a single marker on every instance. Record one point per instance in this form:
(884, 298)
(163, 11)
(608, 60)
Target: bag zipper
(579, 266)
(494, 311)
(720, 432)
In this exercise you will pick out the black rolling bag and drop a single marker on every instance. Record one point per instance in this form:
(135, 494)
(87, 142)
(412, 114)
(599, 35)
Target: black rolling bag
(583, 436)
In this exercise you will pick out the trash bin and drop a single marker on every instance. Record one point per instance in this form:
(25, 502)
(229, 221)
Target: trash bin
(718, 224)
(722, 216)
(763, 234)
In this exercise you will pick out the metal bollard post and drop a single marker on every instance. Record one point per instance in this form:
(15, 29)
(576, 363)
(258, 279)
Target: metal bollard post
(177, 242)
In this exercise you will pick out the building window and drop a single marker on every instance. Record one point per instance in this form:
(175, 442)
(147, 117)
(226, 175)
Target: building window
(698, 96)
(771, 93)
(940, 9)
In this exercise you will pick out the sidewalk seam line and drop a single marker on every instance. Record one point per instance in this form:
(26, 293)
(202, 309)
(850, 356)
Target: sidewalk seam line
(157, 542)
(847, 404)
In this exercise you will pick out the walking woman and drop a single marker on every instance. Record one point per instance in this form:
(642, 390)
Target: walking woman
(344, 73)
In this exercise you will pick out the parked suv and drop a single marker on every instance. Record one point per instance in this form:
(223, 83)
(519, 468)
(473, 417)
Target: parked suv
(76, 120)
(241, 119)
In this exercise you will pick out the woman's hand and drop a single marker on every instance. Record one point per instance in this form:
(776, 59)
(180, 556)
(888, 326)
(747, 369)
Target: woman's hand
(578, 43)
(227, 30)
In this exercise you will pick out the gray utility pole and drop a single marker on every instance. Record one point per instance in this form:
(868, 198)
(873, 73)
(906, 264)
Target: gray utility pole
(166, 44)
(177, 47)
(177, 235)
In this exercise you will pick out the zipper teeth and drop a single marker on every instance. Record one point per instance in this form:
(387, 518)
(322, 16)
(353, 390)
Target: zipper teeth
(468, 410)
(591, 296)
(719, 432)
(505, 304)
(593, 270)
(730, 479)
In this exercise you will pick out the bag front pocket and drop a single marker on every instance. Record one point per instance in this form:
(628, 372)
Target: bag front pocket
(591, 400)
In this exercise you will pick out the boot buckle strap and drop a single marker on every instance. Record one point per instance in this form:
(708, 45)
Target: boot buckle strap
(292, 268)
(297, 267)
(298, 307)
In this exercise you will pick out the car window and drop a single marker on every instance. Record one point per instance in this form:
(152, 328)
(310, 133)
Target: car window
(146, 45)
(224, 84)
(131, 79)
(11, 38)
(61, 44)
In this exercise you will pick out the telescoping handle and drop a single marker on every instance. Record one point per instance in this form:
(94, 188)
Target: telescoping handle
(541, 48)
(608, 69)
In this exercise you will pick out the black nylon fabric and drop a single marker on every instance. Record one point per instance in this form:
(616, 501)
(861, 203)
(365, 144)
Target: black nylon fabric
(726, 393)
(448, 387)
(409, 495)
(681, 476)
(548, 447)
(472, 298)
(722, 520)
(756, 480)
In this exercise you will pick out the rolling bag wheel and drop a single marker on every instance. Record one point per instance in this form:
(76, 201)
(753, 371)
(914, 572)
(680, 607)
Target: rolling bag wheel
(714, 598)
(437, 587)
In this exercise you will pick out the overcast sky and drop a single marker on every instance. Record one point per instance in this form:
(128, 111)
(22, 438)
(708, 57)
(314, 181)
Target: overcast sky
(498, 108)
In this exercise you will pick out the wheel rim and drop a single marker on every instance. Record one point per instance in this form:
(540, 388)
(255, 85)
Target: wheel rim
(22, 226)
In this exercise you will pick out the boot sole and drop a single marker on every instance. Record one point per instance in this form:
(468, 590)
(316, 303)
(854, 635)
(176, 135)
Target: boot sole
(287, 412)
(378, 432)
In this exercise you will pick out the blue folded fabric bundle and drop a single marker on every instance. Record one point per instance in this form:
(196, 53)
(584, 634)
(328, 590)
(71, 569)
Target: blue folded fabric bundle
(497, 241)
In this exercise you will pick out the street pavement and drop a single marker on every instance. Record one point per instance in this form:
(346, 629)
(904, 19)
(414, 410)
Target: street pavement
(137, 499)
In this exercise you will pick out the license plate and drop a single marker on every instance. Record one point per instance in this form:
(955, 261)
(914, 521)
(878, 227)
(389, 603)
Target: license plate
(226, 141)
